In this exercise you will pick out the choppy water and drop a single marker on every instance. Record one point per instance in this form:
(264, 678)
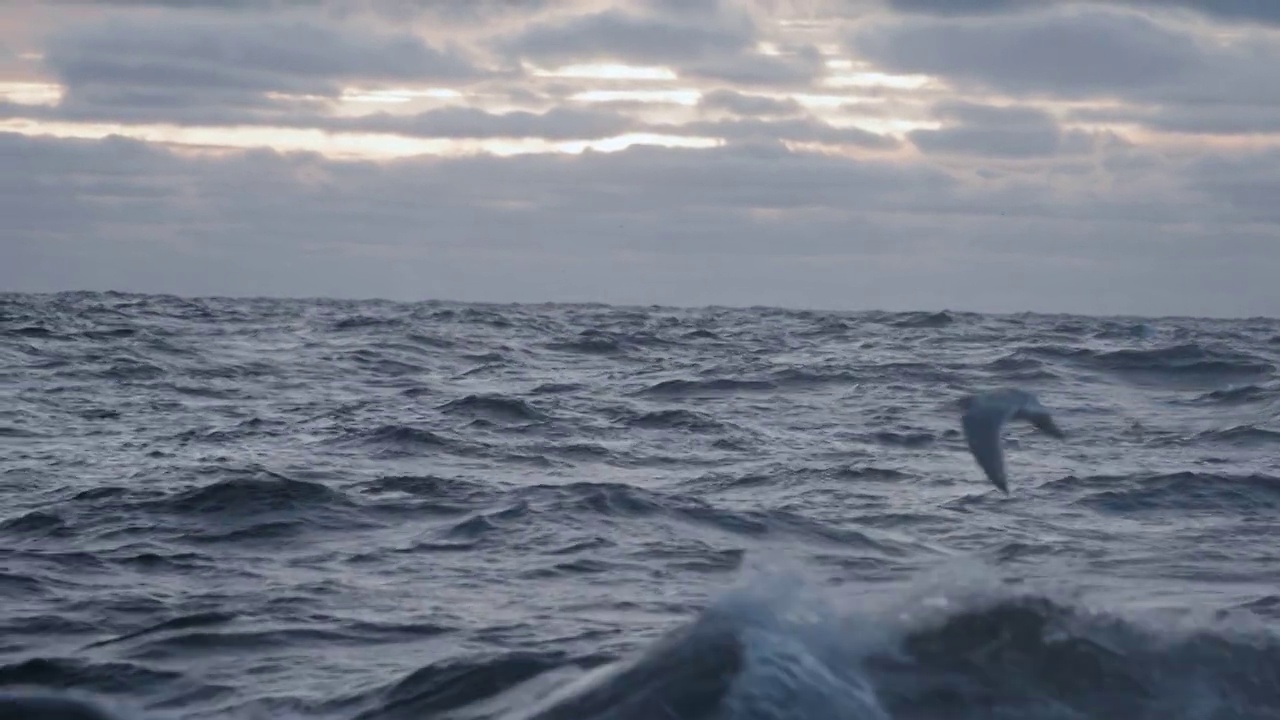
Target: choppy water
(322, 509)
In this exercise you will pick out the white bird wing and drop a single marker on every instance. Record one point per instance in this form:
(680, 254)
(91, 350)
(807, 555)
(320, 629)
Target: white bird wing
(982, 424)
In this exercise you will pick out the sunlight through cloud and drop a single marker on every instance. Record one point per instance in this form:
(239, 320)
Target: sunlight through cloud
(398, 95)
(675, 97)
(31, 93)
(607, 72)
(876, 80)
(622, 142)
(356, 146)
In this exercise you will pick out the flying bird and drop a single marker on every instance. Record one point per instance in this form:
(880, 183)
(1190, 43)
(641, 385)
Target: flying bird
(984, 418)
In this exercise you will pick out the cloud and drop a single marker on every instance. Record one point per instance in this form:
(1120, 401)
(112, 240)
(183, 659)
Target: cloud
(615, 35)
(558, 123)
(544, 225)
(735, 225)
(450, 10)
(806, 129)
(225, 66)
(1224, 119)
(998, 131)
(954, 7)
(469, 9)
(1246, 10)
(795, 67)
(1244, 185)
(185, 5)
(721, 46)
(748, 105)
(1010, 204)
(177, 61)
(1069, 52)
(1155, 72)
(561, 123)
(1231, 10)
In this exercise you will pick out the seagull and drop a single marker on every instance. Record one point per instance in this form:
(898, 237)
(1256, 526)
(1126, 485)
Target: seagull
(985, 416)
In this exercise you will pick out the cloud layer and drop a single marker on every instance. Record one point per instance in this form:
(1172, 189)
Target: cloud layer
(989, 154)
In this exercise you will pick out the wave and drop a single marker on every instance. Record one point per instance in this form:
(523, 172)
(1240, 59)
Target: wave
(1184, 360)
(922, 319)
(1241, 435)
(807, 377)
(83, 674)
(604, 470)
(678, 418)
(1191, 491)
(591, 343)
(400, 440)
(37, 523)
(494, 408)
(770, 652)
(703, 388)
(262, 492)
(1240, 395)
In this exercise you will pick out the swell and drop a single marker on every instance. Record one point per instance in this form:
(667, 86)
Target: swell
(1189, 491)
(263, 491)
(1017, 656)
(493, 407)
(550, 481)
(1183, 360)
(1240, 395)
(1033, 652)
(586, 504)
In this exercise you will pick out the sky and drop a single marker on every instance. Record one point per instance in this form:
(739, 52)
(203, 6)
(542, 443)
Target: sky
(1117, 157)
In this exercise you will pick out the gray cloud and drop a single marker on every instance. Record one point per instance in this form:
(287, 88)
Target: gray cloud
(1063, 52)
(140, 107)
(177, 62)
(995, 131)
(455, 123)
(791, 68)
(748, 105)
(954, 7)
(1245, 185)
(644, 225)
(561, 123)
(1172, 77)
(720, 47)
(217, 5)
(238, 69)
(1232, 10)
(1076, 223)
(1226, 119)
(297, 224)
(1254, 10)
(768, 120)
(622, 36)
(806, 129)
(558, 123)
(468, 9)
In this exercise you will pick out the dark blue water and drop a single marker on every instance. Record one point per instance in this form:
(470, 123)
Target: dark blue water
(324, 509)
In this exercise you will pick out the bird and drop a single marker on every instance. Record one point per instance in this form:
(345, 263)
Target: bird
(984, 416)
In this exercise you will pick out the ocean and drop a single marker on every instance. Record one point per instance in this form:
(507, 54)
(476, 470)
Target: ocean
(366, 510)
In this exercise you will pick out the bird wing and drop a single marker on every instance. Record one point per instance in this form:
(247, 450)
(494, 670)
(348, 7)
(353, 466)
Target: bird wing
(982, 424)
(1042, 420)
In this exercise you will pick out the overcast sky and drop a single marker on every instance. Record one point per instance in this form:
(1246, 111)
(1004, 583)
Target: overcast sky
(994, 155)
